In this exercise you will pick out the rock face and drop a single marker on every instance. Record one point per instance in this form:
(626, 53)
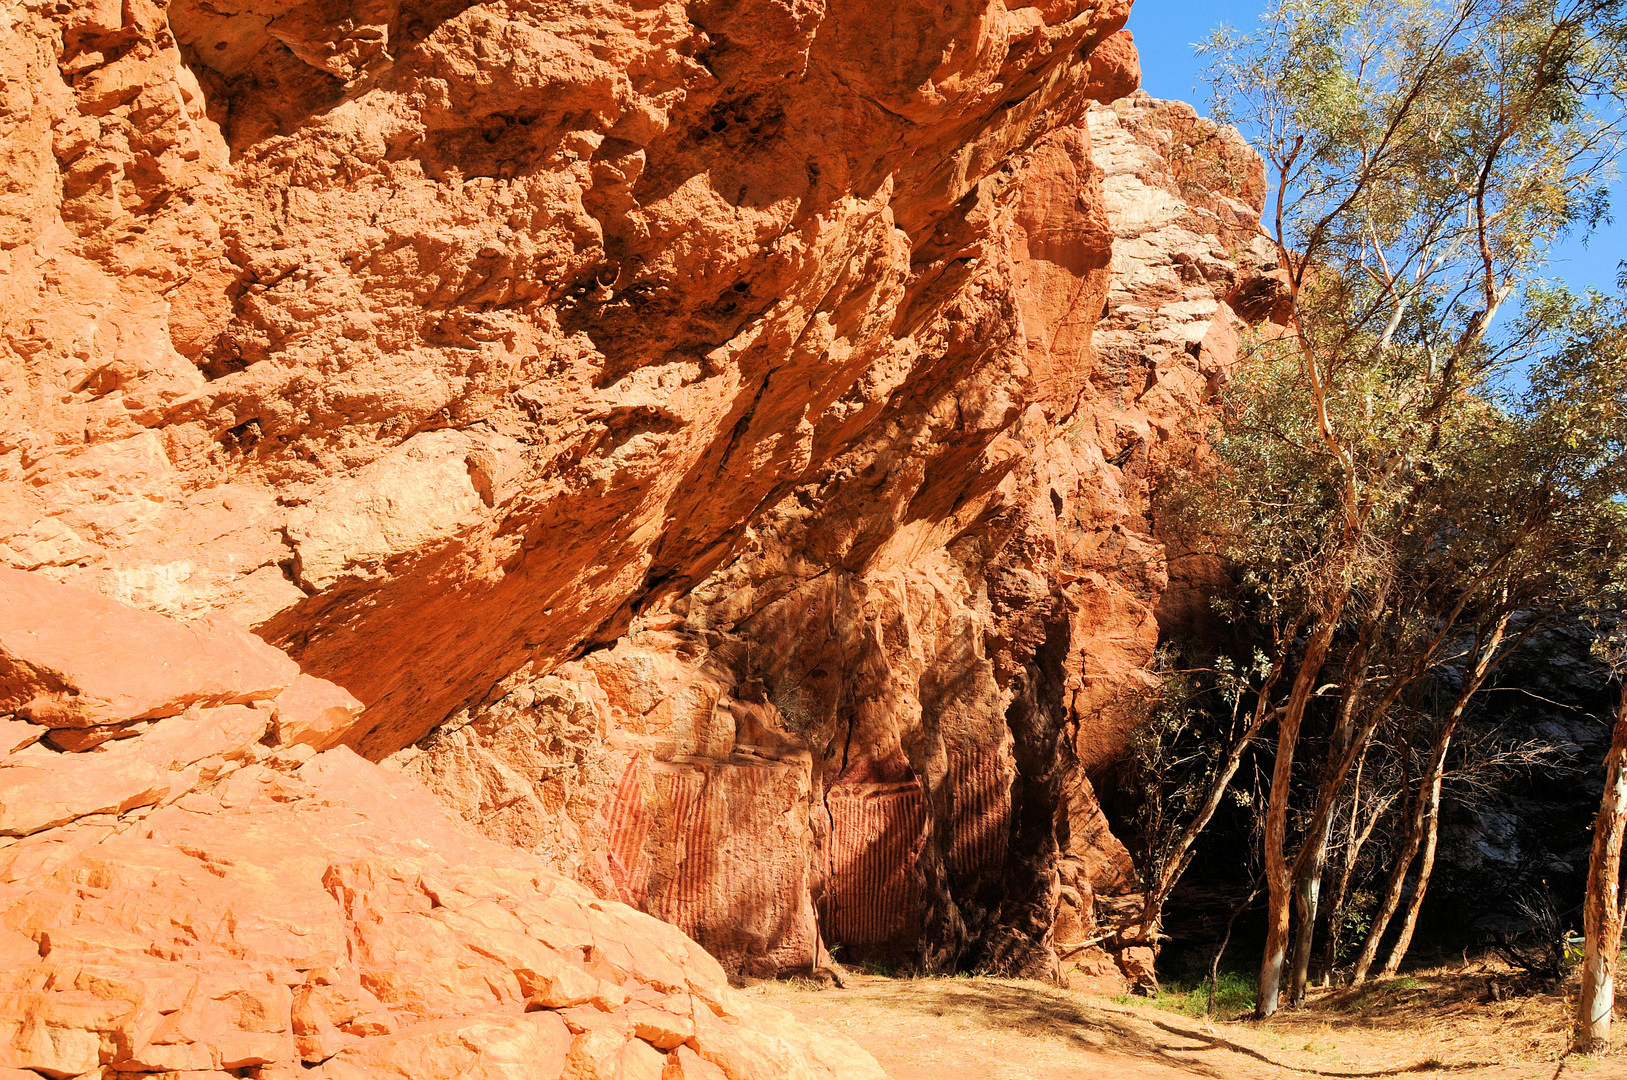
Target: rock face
(202, 898)
(712, 440)
(792, 751)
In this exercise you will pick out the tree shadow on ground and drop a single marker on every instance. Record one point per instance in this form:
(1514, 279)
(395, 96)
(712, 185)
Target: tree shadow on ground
(997, 1010)
(1037, 1011)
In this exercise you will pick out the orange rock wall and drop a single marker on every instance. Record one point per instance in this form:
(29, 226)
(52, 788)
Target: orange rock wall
(659, 416)
(902, 674)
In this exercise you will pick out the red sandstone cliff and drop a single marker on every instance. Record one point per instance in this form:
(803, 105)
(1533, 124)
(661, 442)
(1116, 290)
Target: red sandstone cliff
(712, 440)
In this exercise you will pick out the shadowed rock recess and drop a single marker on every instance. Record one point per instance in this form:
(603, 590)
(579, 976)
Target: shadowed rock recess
(707, 445)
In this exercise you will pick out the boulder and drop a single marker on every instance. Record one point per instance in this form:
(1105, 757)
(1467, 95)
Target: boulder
(41, 789)
(94, 671)
(73, 659)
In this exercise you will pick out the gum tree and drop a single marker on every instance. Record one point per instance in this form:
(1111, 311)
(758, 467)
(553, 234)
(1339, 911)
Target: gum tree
(1424, 155)
(1508, 546)
(1578, 410)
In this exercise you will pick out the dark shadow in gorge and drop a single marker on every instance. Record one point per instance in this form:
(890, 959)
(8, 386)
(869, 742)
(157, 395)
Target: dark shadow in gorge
(1017, 942)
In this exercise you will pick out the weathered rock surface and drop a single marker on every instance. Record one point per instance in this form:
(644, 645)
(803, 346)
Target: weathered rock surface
(796, 749)
(270, 911)
(711, 441)
(75, 660)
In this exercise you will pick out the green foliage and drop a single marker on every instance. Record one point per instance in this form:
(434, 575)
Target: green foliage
(1576, 415)
(1234, 996)
(1578, 399)
(1423, 144)
(1186, 722)
(1426, 155)
(1354, 922)
(1387, 511)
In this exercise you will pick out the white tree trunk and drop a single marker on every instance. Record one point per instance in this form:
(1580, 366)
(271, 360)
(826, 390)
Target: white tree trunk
(1601, 911)
(1426, 866)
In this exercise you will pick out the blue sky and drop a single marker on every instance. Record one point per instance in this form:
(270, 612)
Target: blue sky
(1165, 30)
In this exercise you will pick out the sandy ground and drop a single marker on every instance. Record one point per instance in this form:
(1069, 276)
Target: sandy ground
(996, 1029)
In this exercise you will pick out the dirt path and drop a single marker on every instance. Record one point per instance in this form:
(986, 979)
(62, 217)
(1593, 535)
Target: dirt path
(996, 1029)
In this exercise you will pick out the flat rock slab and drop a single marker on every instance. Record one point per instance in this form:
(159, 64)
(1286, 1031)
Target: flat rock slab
(72, 659)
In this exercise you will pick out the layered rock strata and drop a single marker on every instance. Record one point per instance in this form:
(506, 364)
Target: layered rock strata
(712, 440)
(205, 895)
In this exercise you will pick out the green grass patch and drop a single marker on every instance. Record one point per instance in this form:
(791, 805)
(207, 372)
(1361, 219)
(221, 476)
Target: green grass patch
(1234, 996)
